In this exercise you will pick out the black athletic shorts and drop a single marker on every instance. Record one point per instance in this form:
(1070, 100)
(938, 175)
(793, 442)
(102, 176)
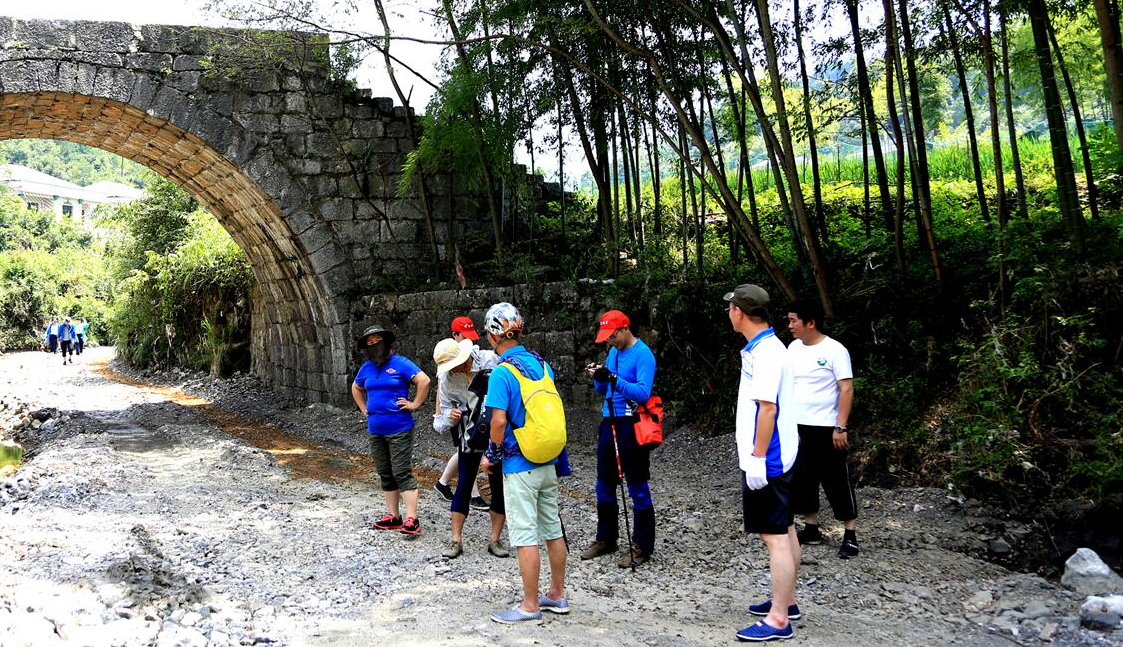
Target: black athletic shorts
(768, 511)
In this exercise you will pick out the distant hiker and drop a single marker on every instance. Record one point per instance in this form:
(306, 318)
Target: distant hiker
(625, 380)
(50, 335)
(66, 338)
(462, 328)
(529, 434)
(80, 327)
(767, 443)
(380, 389)
(824, 392)
(462, 376)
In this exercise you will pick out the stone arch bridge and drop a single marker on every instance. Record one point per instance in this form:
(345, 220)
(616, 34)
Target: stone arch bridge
(301, 173)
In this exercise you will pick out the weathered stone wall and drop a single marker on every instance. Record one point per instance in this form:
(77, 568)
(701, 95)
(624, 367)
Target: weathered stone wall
(560, 318)
(302, 174)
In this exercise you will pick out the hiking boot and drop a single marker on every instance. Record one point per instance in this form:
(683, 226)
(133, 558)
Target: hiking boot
(453, 550)
(445, 490)
(499, 548)
(848, 549)
(810, 535)
(388, 522)
(764, 608)
(479, 503)
(637, 553)
(411, 526)
(598, 548)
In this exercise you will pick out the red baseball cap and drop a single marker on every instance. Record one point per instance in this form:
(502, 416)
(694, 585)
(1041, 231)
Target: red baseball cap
(464, 326)
(610, 322)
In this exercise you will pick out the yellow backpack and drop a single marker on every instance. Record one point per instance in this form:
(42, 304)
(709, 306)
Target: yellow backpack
(542, 437)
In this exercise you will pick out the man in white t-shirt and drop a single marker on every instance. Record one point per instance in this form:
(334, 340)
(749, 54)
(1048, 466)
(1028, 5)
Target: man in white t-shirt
(767, 444)
(824, 391)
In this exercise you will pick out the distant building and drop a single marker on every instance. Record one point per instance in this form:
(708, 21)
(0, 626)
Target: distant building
(48, 193)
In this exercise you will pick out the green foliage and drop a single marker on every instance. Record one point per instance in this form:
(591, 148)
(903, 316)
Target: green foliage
(183, 294)
(75, 163)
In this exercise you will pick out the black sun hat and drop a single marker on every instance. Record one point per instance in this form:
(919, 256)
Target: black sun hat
(376, 329)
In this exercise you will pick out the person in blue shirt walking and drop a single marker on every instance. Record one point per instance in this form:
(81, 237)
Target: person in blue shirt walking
(66, 337)
(380, 390)
(50, 335)
(530, 489)
(625, 380)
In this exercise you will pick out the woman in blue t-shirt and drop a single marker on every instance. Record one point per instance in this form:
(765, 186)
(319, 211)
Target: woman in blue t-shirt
(381, 389)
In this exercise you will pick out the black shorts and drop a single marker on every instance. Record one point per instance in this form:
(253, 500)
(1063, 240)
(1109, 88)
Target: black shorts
(820, 463)
(768, 511)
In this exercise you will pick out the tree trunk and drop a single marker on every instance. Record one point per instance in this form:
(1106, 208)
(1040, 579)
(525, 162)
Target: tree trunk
(895, 123)
(865, 100)
(969, 114)
(865, 173)
(1067, 198)
(1089, 177)
(1012, 127)
(1107, 15)
(817, 184)
(927, 232)
(992, 107)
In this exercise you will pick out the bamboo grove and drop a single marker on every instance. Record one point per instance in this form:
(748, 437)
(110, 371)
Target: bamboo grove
(710, 97)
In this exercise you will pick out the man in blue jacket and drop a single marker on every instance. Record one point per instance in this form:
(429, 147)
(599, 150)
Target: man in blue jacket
(625, 381)
(51, 335)
(66, 338)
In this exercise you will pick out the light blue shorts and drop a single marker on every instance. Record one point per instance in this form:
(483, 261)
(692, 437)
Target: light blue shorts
(531, 499)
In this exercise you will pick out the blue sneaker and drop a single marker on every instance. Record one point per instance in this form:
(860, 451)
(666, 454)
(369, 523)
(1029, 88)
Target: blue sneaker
(765, 607)
(763, 632)
(516, 615)
(554, 606)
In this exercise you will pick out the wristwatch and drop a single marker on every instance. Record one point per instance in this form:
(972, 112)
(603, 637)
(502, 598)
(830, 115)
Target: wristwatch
(840, 429)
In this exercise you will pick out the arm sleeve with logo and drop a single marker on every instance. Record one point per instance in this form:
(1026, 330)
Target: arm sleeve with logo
(766, 376)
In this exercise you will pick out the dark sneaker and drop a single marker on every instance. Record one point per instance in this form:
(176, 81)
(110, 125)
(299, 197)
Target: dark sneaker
(763, 632)
(598, 548)
(637, 553)
(445, 490)
(411, 526)
(810, 535)
(848, 549)
(764, 608)
(479, 503)
(388, 522)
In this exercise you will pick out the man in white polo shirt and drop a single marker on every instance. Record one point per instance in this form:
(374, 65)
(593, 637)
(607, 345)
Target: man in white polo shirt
(824, 391)
(767, 444)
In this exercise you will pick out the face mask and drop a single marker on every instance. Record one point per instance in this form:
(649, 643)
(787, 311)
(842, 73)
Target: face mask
(378, 353)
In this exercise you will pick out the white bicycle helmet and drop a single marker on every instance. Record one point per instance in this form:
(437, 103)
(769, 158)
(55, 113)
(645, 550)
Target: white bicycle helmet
(502, 319)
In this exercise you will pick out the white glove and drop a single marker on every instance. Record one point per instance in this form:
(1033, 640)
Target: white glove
(756, 473)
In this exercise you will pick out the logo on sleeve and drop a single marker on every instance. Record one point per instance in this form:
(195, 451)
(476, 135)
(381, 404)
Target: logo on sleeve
(391, 370)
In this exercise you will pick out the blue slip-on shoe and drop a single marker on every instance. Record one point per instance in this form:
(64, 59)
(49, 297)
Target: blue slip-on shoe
(765, 607)
(763, 632)
(554, 606)
(516, 615)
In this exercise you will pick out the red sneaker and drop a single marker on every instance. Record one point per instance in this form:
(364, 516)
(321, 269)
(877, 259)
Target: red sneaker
(411, 526)
(388, 522)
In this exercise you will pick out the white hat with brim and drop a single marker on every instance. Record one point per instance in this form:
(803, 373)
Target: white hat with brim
(450, 353)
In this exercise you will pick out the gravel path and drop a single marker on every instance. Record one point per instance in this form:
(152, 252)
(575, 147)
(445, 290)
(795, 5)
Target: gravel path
(218, 513)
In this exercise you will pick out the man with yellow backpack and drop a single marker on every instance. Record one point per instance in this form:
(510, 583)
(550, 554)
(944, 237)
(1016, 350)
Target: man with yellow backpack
(528, 432)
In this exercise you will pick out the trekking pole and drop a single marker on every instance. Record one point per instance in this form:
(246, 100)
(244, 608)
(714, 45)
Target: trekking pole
(620, 475)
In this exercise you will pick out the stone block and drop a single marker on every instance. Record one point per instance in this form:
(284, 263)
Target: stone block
(14, 78)
(296, 103)
(368, 129)
(337, 209)
(187, 62)
(404, 231)
(184, 81)
(1087, 574)
(295, 124)
(321, 145)
(148, 61)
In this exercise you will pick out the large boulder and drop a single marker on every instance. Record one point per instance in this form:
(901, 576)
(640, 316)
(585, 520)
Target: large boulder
(1087, 574)
(1102, 613)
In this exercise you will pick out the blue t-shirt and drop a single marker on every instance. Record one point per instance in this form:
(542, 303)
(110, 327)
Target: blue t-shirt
(635, 374)
(503, 393)
(384, 385)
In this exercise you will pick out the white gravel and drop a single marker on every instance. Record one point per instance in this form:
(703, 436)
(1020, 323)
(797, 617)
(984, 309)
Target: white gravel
(135, 520)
